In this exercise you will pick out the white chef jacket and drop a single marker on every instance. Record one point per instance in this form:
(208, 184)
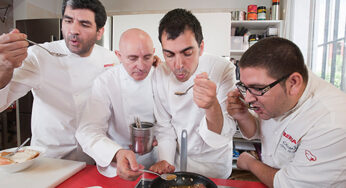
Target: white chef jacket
(60, 87)
(308, 143)
(209, 153)
(115, 101)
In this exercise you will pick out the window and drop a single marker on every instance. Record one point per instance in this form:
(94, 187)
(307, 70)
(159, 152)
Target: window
(328, 41)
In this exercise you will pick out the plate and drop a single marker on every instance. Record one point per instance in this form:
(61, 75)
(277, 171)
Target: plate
(16, 167)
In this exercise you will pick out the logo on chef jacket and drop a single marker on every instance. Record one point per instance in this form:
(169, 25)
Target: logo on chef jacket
(108, 65)
(310, 156)
(288, 143)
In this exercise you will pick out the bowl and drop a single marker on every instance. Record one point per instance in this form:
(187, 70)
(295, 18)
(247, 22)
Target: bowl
(16, 167)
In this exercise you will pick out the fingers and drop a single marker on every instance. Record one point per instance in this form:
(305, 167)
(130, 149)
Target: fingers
(13, 49)
(127, 166)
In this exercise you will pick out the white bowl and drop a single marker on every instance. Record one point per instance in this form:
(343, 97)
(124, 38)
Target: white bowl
(16, 167)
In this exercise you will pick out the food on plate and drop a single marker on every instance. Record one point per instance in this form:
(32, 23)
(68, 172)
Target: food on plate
(198, 185)
(19, 157)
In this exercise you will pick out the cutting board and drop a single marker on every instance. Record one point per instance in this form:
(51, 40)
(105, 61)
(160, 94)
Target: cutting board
(45, 172)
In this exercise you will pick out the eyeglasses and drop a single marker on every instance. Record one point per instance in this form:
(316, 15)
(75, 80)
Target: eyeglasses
(258, 91)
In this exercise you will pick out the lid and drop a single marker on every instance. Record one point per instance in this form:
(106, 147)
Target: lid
(276, 1)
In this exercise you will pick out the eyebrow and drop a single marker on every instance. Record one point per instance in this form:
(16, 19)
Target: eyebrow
(81, 21)
(181, 51)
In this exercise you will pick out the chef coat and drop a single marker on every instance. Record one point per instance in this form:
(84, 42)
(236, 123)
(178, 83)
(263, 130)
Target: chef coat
(308, 143)
(209, 153)
(115, 101)
(60, 87)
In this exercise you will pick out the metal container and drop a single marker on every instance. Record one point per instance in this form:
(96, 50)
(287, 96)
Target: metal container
(142, 138)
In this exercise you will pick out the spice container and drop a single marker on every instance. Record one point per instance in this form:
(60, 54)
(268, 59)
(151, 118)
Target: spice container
(253, 39)
(252, 12)
(261, 13)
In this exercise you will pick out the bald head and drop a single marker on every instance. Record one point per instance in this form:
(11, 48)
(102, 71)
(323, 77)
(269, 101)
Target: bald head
(136, 52)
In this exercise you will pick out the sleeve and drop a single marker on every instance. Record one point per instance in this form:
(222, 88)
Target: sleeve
(320, 161)
(164, 131)
(226, 84)
(93, 127)
(24, 79)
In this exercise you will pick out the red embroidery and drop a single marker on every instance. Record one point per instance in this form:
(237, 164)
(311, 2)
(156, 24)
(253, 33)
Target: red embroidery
(289, 137)
(310, 156)
(108, 65)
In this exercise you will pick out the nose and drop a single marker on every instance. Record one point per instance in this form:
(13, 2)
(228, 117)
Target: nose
(178, 62)
(74, 29)
(249, 97)
(140, 63)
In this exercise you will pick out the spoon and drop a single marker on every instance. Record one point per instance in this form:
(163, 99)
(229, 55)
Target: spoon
(18, 148)
(184, 93)
(167, 177)
(247, 104)
(50, 52)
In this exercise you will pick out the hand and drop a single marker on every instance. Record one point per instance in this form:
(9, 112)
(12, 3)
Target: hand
(162, 167)
(13, 49)
(245, 160)
(235, 107)
(127, 166)
(157, 61)
(204, 91)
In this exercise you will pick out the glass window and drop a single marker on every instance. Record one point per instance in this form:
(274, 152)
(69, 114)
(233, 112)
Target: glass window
(328, 44)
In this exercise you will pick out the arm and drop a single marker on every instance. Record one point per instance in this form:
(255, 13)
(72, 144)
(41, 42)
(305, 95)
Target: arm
(164, 131)
(262, 171)
(13, 50)
(204, 95)
(238, 110)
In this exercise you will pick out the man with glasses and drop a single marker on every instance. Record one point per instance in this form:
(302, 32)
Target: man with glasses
(300, 118)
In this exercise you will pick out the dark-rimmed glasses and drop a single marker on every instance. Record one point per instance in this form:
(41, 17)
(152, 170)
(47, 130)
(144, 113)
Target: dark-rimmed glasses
(259, 91)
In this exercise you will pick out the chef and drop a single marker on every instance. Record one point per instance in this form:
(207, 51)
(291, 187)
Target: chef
(202, 111)
(60, 85)
(118, 96)
(301, 118)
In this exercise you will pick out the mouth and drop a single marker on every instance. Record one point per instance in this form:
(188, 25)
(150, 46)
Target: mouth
(180, 76)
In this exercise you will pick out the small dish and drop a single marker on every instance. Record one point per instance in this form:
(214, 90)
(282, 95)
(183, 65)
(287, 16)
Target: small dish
(16, 167)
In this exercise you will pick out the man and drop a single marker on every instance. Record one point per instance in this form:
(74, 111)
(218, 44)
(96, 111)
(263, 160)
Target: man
(60, 85)
(202, 112)
(301, 118)
(118, 96)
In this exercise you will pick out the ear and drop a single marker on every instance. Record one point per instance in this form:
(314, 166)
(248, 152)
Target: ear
(294, 84)
(100, 32)
(201, 48)
(118, 54)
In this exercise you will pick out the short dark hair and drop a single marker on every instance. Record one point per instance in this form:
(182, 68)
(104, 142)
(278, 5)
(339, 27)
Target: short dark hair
(177, 21)
(277, 55)
(93, 5)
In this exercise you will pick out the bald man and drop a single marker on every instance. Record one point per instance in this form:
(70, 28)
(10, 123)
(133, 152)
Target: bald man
(118, 96)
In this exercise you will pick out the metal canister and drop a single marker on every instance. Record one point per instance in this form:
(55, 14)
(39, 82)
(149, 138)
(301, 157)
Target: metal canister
(142, 137)
(261, 13)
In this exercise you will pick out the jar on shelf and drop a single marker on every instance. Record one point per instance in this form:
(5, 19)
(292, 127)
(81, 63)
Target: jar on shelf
(252, 12)
(253, 39)
(261, 13)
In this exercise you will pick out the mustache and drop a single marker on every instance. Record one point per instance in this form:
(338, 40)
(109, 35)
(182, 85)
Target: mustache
(73, 37)
(180, 71)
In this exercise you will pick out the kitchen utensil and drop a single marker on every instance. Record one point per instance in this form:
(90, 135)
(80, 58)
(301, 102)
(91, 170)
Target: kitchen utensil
(183, 151)
(166, 177)
(142, 138)
(50, 52)
(138, 122)
(183, 179)
(18, 148)
(247, 104)
(184, 93)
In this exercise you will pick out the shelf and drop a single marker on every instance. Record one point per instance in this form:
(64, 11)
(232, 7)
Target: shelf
(256, 24)
(237, 52)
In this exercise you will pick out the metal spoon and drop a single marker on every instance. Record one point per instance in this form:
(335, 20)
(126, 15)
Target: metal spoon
(184, 93)
(167, 177)
(50, 52)
(18, 148)
(247, 104)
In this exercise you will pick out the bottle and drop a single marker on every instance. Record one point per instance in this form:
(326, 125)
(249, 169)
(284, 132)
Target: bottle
(275, 11)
